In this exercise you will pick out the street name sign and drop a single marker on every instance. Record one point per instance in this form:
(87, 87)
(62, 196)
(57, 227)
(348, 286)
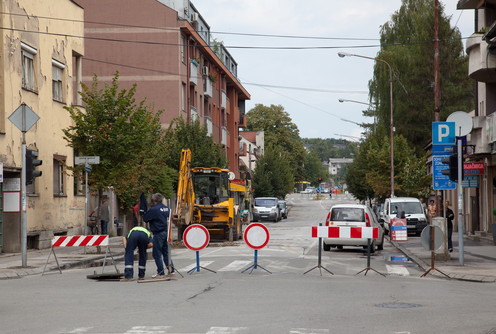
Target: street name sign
(90, 160)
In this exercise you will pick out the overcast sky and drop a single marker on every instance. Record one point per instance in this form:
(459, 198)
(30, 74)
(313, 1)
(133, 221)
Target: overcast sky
(318, 114)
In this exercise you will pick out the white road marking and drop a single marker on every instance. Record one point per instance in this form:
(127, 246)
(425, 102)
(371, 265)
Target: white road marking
(227, 330)
(397, 270)
(148, 330)
(308, 331)
(235, 265)
(193, 265)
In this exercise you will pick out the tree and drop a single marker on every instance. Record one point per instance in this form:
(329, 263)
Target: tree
(369, 174)
(126, 136)
(314, 169)
(407, 45)
(204, 152)
(280, 133)
(272, 176)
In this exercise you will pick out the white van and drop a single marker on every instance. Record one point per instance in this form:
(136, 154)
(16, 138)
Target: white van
(414, 213)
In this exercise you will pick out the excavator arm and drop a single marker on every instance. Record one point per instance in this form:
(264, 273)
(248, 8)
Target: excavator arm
(183, 212)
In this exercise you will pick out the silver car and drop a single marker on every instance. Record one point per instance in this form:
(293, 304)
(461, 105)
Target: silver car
(353, 215)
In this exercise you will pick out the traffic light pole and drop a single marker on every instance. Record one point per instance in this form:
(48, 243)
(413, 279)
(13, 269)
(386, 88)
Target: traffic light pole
(460, 202)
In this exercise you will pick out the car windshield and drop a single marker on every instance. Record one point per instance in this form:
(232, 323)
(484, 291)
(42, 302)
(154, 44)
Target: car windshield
(266, 202)
(348, 214)
(407, 207)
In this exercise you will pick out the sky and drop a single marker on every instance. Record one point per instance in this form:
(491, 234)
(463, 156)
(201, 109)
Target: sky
(308, 83)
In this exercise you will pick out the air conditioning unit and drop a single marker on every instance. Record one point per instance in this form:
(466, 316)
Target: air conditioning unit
(194, 17)
(205, 70)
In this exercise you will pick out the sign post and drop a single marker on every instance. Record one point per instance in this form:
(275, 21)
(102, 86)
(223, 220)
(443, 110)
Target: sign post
(24, 118)
(87, 162)
(196, 237)
(256, 236)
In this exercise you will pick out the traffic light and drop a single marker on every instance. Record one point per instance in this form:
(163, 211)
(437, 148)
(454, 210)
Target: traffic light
(452, 162)
(31, 163)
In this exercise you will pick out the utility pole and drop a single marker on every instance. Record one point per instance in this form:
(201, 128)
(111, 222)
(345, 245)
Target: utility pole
(437, 107)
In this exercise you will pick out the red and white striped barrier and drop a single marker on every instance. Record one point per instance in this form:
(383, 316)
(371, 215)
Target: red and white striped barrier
(345, 232)
(80, 240)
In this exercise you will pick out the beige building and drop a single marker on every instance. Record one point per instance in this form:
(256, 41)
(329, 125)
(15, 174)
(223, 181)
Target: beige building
(41, 50)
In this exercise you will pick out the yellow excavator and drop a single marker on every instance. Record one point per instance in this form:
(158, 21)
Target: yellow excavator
(204, 196)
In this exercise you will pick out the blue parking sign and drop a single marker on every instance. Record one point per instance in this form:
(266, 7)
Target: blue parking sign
(443, 133)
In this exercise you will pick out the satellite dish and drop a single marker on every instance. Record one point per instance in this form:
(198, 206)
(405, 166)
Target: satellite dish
(463, 123)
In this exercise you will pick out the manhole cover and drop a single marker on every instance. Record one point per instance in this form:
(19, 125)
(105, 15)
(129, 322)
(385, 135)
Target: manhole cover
(398, 305)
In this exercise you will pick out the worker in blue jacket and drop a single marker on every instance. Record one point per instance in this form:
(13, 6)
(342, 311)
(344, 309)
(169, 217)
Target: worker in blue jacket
(138, 237)
(158, 218)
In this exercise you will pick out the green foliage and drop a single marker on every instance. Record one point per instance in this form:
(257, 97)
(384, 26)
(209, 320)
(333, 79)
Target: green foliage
(126, 136)
(330, 148)
(280, 133)
(369, 175)
(204, 152)
(272, 175)
(406, 44)
(314, 169)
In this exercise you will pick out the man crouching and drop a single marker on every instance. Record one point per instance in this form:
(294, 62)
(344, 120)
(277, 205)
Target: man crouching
(138, 237)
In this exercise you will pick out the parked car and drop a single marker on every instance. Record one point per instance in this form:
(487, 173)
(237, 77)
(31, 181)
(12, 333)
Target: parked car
(266, 208)
(283, 207)
(308, 190)
(353, 215)
(411, 208)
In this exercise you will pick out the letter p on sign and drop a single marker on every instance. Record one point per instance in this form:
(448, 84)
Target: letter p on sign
(443, 133)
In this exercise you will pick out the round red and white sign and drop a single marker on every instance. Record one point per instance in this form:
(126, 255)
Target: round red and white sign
(196, 237)
(256, 236)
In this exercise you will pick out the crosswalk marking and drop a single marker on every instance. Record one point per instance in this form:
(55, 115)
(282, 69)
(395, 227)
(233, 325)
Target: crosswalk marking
(397, 270)
(227, 330)
(148, 330)
(193, 265)
(235, 265)
(308, 331)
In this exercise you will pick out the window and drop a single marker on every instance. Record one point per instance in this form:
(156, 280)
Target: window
(59, 175)
(57, 75)
(28, 79)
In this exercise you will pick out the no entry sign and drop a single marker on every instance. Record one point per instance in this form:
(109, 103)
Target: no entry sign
(196, 237)
(256, 236)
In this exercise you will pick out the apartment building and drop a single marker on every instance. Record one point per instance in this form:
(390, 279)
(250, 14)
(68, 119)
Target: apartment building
(479, 190)
(41, 65)
(251, 148)
(165, 47)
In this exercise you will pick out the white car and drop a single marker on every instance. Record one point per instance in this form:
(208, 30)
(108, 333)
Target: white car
(353, 215)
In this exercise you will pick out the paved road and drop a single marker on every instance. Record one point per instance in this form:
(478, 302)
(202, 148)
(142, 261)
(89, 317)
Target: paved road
(228, 301)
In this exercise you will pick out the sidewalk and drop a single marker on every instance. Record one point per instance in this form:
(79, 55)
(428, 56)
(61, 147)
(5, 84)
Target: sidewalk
(479, 258)
(68, 257)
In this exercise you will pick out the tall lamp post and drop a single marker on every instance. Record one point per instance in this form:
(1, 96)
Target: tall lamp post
(391, 127)
(354, 101)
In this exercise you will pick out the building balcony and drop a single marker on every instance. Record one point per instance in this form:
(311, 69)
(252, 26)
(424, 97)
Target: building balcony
(209, 125)
(482, 60)
(193, 114)
(242, 121)
(243, 151)
(223, 102)
(224, 136)
(207, 86)
(193, 77)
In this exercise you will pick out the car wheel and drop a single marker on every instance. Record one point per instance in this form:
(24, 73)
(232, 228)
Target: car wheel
(386, 231)
(327, 247)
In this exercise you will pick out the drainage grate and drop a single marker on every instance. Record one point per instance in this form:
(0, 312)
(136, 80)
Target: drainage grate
(398, 305)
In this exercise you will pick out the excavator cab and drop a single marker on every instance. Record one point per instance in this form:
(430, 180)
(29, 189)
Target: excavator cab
(211, 186)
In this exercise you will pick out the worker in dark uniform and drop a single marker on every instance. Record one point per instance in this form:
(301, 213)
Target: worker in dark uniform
(139, 237)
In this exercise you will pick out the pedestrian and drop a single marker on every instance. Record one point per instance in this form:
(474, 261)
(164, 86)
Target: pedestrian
(103, 213)
(139, 237)
(449, 217)
(136, 213)
(158, 218)
(431, 210)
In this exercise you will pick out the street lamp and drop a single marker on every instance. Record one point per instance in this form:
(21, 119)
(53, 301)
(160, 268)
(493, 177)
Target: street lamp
(346, 100)
(391, 127)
